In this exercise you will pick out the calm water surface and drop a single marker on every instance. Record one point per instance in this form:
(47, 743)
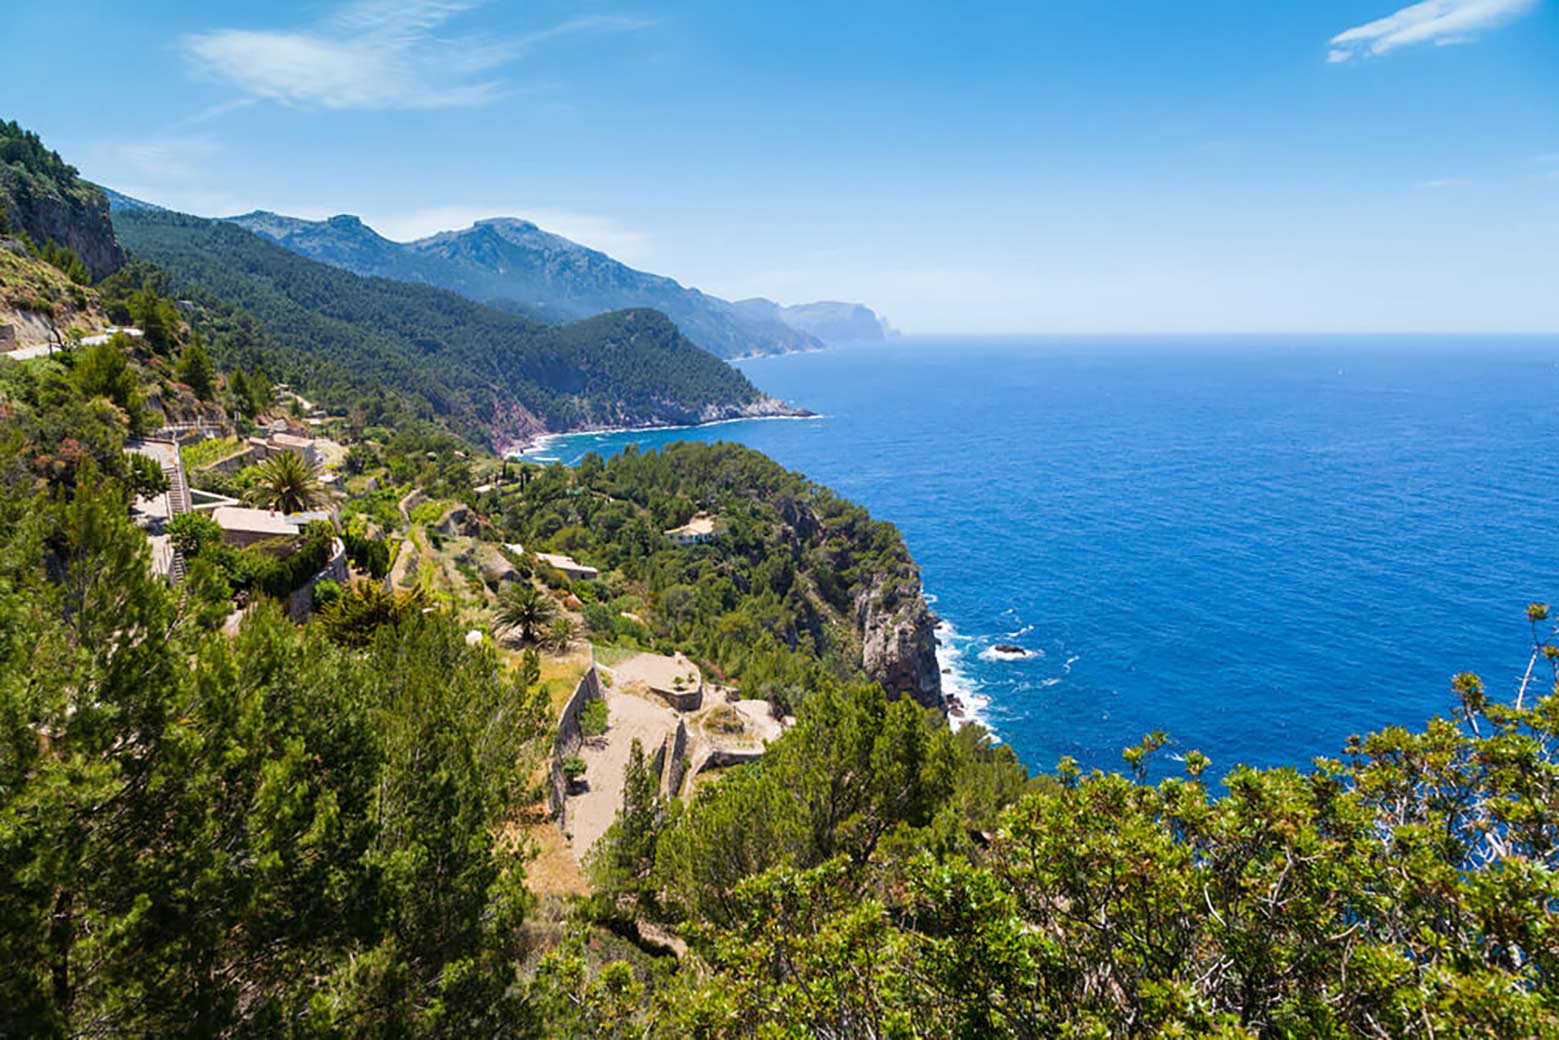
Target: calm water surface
(1260, 545)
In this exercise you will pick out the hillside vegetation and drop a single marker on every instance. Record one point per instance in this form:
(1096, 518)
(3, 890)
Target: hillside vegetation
(494, 376)
(218, 822)
(784, 600)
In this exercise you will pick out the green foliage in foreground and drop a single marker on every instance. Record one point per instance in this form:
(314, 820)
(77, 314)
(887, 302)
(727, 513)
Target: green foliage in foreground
(262, 836)
(1409, 889)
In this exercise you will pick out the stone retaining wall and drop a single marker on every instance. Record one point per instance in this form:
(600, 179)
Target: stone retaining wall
(301, 603)
(570, 737)
(676, 761)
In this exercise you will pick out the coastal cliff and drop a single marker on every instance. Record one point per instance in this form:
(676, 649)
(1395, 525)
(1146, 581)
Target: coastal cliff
(829, 320)
(898, 637)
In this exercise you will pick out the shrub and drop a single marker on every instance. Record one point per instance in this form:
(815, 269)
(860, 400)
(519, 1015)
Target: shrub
(326, 592)
(594, 718)
(147, 478)
(192, 532)
(600, 619)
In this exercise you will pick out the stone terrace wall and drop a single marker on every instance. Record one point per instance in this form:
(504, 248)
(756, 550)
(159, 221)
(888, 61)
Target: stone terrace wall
(676, 761)
(570, 737)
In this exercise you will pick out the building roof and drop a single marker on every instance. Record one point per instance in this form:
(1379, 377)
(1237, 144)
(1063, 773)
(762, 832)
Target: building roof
(703, 523)
(256, 521)
(566, 563)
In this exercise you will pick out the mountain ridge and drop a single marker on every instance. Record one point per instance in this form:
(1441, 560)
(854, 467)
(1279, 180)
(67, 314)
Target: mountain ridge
(497, 375)
(515, 264)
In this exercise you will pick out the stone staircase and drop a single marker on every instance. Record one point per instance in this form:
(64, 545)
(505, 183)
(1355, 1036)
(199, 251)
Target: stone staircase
(178, 505)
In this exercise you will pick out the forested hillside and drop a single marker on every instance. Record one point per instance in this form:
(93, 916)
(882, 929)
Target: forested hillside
(224, 817)
(800, 588)
(494, 376)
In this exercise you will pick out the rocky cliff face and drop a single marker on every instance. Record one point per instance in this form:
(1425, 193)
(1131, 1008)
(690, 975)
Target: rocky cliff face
(898, 639)
(80, 224)
(43, 196)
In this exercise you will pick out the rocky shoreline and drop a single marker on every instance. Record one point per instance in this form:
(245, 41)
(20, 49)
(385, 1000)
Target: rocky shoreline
(771, 408)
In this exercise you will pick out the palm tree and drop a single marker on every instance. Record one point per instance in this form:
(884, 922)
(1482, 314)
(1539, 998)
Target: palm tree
(560, 636)
(287, 482)
(523, 607)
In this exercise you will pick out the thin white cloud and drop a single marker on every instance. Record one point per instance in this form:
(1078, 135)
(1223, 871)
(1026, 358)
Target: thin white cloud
(1438, 22)
(374, 54)
(1438, 183)
(162, 160)
(588, 229)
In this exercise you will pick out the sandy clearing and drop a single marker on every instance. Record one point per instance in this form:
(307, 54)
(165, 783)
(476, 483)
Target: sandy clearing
(591, 811)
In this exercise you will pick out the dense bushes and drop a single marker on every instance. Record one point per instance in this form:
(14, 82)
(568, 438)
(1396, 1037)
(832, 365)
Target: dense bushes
(275, 568)
(874, 876)
(266, 835)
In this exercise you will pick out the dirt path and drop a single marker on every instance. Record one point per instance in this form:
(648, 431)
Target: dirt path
(592, 811)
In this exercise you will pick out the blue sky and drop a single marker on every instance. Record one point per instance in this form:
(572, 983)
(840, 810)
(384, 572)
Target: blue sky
(1136, 165)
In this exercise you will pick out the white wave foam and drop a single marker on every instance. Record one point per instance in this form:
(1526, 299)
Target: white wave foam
(991, 653)
(955, 681)
(1047, 683)
(1067, 668)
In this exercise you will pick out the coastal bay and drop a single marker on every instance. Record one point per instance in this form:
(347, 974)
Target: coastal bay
(1259, 544)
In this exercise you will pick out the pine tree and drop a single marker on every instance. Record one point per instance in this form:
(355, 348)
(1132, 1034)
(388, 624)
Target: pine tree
(238, 383)
(150, 314)
(195, 368)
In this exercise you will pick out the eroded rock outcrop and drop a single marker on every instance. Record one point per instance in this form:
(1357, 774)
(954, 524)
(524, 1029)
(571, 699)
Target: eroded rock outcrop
(44, 196)
(898, 638)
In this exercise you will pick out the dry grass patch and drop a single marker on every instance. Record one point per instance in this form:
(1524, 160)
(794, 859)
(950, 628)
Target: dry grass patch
(553, 871)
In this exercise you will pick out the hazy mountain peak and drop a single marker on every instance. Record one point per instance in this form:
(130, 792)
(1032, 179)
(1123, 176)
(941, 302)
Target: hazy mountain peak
(513, 263)
(831, 321)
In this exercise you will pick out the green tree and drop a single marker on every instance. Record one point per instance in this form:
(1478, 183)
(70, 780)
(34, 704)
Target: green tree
(191, 533)
(195, 368)
(367, 606)
(145, 477)
(288, 483)
(622, 863)
(560, 635)
(155, 316)
(104, 370)
(524, 609)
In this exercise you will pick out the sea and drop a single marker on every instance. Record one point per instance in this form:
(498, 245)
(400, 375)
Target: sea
(1257, 545)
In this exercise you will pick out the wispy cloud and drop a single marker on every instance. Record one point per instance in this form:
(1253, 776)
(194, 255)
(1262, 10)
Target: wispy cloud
(1440, 22)
(1441, 183)
(375, 54)
(162, 160)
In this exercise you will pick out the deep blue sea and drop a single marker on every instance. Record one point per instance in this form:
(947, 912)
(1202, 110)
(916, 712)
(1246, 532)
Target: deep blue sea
(1260, 545)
